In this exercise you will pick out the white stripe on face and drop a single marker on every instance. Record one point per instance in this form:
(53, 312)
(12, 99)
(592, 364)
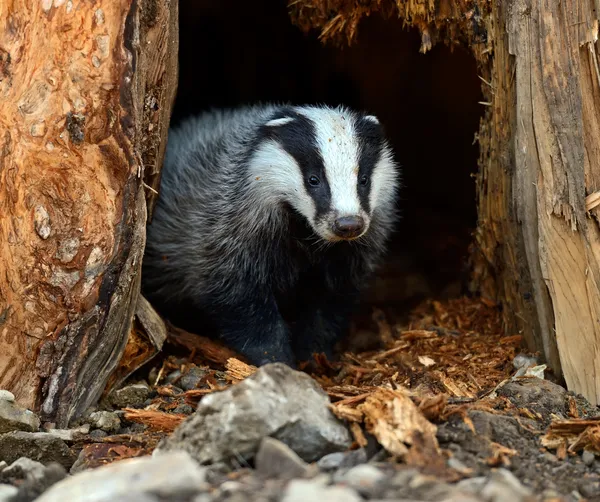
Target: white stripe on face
(276, 173)
(384, 180)
(336, 140)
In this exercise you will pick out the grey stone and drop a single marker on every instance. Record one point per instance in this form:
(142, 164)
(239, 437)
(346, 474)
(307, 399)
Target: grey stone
(15, 418)
(70, 435)
(170, 475)
(275, 401)
(503, 486)
(38, 482)
(589, 489)
(275, 459)
(365, 479)
(184, 409)
(332, 461)
(107, 421)
(6, 395)
(341, 460)
(98, 434)
(7, 492)
(588, 457)
(472, 485)
(541, 396)
(130, 396)
(21, 468)
(524, 361)
(299, 490)
(173, 377)
(40, 446)
(192, 377)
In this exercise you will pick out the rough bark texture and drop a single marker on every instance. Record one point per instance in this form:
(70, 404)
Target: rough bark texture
(537, 248)
(72, 205)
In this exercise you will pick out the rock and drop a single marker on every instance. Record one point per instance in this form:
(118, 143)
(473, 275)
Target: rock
(7, 396)
(107, 421)
(500, 485)
(365, 479)
(70, 435)
(37, 483)
(184, 409)
(275, 459)
(130, 396)
(589, 489)
(192, 377)
(21, 468)
(173, 377)
(521, 361)
(299, 490)
(15, 418)
(535, 394)
(98, 434)
(7, 492)
(40, 446)
(503, 486)
(275, 401)
(341, 460)
(588, 457)
(171, 476)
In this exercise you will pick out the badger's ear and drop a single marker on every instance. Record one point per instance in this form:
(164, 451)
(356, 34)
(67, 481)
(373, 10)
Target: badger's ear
(372, 118)
(279, 122)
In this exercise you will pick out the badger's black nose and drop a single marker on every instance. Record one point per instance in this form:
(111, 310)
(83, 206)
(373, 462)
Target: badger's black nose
(348, 226)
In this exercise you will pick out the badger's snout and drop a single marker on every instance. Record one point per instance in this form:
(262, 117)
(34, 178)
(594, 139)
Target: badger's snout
(349, 227)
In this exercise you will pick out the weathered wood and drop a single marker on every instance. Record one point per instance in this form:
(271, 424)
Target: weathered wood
(553, 146)
(72, 203)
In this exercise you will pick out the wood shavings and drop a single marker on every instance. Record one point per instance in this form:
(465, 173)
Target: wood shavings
(344, 412)
(426, 361)
(238, 370)
(155, 420)
(394, 420)
(358, 434)
(573, 435)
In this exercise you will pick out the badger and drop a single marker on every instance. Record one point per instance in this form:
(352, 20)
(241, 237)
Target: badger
(270, 221)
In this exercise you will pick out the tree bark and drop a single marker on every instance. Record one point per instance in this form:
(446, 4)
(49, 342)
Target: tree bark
(86, 95)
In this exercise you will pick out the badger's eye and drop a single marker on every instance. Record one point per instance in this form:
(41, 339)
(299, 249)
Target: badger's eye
(313, 181)
(364, 179)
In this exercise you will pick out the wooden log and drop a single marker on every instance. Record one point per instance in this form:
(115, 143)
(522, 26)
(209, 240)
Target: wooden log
(86, 92)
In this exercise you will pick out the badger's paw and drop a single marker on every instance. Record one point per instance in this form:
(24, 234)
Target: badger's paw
(264, 354)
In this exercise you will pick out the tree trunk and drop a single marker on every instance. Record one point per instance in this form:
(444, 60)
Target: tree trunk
(86, 95)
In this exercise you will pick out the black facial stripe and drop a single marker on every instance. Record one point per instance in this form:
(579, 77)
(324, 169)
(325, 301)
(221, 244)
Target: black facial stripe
(298, 138)
(371, 141)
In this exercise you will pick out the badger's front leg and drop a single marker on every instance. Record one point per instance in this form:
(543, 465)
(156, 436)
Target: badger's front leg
(324, 318)
(254, 328)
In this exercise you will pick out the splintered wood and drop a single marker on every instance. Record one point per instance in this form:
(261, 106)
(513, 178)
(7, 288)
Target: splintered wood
(573, 436)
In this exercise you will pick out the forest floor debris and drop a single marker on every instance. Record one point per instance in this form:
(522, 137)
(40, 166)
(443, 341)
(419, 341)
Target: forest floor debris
(443, 407)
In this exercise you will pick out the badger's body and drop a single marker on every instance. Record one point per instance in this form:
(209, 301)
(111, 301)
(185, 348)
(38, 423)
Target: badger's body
(269, 221)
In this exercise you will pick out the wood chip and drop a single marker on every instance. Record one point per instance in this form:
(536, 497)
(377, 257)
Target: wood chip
(155, 420)
(358, 434)
(344, 412)
(394, 420)
(238, 370)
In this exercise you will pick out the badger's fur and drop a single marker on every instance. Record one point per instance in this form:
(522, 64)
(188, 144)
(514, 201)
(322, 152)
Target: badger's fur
(269, 221)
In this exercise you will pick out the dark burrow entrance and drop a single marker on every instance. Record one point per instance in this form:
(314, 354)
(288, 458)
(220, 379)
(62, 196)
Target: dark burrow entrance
(234, 53)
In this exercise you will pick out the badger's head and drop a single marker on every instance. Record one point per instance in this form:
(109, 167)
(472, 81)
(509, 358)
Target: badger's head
(332, 165)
